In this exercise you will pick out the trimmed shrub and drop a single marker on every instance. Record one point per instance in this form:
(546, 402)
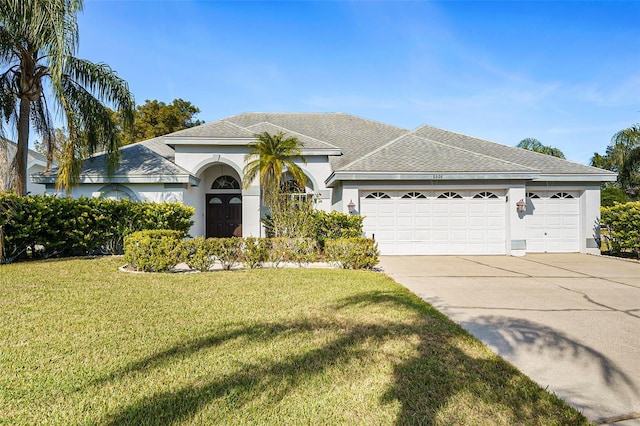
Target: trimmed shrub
(255, 251)
(301, 250)
(333, 225)
(352, 253)
(47, 226)
(621, 226)
(279, 251)
(154, 250)
(200, 253)
(297, 250)
(227, 250)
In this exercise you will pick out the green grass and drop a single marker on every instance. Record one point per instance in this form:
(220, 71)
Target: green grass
(82, 343)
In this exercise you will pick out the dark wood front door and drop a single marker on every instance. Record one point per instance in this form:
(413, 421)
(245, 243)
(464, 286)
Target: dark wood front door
(224, 215)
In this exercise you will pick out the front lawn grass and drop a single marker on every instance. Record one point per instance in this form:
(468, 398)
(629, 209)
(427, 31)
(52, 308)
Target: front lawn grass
(82, 343)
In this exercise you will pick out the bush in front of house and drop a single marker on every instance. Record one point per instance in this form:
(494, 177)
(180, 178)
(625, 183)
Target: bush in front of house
(255, 251)
(43, 226)
(200, 253)
(620, 224)
(352, 253)
(228, 251)
(155, 250)
(333, 225)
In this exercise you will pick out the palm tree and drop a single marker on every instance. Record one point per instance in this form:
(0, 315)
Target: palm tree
(624, 152)
(268, 157)
(532, 144)
(38, 40)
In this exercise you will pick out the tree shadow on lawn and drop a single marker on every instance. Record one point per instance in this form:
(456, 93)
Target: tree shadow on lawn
(426, 383)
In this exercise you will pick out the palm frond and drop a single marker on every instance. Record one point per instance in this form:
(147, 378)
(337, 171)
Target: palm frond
(105, 83)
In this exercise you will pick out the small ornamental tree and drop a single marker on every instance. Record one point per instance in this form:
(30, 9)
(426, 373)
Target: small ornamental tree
(269, 157)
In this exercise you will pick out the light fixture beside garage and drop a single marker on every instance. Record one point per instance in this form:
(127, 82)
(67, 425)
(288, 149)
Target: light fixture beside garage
(351, 206)
(521, 206)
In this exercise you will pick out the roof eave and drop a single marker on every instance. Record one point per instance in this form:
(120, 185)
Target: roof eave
(436, 176)
(207, 140)
(578, 177)
(95, 178)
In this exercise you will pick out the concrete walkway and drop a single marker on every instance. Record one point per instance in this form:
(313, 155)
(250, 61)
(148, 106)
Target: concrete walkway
(571, 322)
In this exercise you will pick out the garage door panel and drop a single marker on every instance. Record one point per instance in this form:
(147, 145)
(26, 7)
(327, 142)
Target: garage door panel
(553, 225)
(423, 208)
(437, 225)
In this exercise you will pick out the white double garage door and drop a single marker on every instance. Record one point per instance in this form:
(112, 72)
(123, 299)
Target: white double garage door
(466, 222)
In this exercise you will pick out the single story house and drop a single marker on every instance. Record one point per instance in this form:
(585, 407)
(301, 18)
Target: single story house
(36, 163)
(421, 191)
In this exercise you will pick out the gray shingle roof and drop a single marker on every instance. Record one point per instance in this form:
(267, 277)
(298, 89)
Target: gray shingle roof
(308, 141)
(140, 162)
(545, 164)
(354, 135)
(414, 154)
(367, 146)
(215, 129)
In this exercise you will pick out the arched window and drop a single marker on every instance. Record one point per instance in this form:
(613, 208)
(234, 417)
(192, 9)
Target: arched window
(225, 182)
(117, 192)
(291, 187)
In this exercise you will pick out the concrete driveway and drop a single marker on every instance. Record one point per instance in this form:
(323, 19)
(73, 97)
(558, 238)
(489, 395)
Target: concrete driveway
(571, 322)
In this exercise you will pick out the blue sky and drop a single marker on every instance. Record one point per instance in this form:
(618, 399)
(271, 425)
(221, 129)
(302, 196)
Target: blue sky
(566, 73)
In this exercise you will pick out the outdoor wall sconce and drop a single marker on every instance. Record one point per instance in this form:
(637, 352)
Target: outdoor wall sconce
(521, 206)
(351, 206)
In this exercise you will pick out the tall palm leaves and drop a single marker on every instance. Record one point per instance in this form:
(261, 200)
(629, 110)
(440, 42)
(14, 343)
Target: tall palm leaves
(268, 157)
(38, 40)
(532, 144)
(624, 153)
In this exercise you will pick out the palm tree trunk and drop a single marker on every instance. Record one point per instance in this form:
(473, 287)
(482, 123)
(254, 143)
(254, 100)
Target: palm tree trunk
(22, 153)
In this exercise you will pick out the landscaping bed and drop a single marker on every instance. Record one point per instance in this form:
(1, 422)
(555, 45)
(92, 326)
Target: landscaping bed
(83, 343)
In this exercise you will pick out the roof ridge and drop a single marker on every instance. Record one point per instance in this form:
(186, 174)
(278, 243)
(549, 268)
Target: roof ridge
(317, 113)
(293, 131)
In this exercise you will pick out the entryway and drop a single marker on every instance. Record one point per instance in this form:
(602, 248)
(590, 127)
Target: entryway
(224, 215)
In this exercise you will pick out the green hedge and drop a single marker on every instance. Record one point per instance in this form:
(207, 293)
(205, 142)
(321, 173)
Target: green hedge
(353, 253)
(334, 225)
(155, 250)
(620, 226)
(158, 251)
(46, 226)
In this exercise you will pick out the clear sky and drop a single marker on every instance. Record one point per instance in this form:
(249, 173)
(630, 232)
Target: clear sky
(566, 73)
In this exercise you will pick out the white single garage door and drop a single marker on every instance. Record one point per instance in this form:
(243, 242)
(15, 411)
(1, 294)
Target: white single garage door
(435, 222)
(553, 222)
